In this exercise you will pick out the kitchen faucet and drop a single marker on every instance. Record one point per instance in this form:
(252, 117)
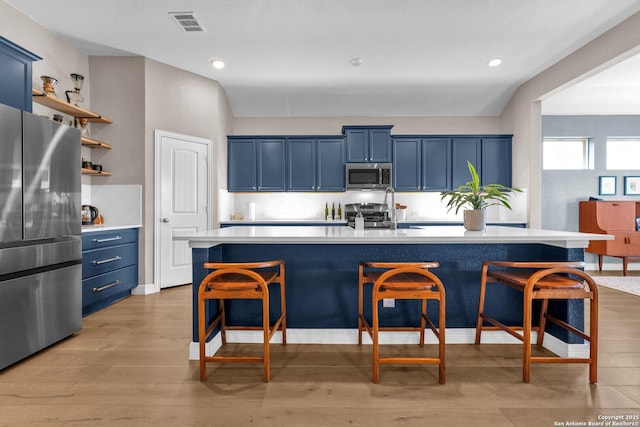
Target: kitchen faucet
(394, 223)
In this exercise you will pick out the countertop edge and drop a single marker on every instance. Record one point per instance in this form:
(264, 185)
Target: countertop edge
(425, 235)
(94, 228)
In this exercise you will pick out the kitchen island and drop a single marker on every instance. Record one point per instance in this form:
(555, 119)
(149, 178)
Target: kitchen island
(322, 273)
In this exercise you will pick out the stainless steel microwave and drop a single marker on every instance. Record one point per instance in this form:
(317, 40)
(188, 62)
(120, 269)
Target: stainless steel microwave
(368, 176)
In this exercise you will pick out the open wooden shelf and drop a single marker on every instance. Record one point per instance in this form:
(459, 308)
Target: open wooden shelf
(66, 108)
(92, 172)
(94, 143)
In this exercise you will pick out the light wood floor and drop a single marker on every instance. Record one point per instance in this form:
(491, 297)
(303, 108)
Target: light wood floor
(129, 367)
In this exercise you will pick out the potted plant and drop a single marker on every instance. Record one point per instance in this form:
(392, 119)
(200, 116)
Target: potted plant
(475, 198)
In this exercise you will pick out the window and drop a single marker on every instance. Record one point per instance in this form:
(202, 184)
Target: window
(623, 153)
(567, 154)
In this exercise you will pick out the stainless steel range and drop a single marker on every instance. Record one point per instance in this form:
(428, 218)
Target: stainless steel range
(376, 215)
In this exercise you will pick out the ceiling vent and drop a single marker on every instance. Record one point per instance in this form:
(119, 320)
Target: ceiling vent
(187, 21)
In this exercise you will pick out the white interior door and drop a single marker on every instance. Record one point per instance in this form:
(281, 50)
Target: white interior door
(182, 200)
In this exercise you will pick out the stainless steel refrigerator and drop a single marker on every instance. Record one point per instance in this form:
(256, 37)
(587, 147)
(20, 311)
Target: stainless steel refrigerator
(40, 227)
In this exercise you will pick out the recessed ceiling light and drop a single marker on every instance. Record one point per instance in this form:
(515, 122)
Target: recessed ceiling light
(356, 62)
(495, 62)
(217, 64)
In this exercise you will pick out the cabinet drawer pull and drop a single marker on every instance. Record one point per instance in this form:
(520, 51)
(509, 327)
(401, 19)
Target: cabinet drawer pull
(110, 239)
(107, 286)
(104, 261)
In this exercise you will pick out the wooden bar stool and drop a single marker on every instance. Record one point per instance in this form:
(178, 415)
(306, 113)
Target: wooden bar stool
(543, 281)
(248, 280)
(402, 280)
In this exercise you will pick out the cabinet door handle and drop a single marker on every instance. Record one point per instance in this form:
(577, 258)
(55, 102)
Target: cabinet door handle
(110, 239)
(104, 261)
(107, 286)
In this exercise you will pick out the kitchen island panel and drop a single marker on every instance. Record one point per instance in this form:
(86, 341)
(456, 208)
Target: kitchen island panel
(322, 282)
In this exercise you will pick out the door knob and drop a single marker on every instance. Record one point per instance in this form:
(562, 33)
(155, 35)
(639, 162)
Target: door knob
(165, 219)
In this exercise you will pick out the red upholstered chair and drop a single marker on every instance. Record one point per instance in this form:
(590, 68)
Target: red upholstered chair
(542, 281)
(402, 280)
(240, 281)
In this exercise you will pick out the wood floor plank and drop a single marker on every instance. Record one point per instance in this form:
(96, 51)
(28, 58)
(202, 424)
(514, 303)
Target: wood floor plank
(129, 367)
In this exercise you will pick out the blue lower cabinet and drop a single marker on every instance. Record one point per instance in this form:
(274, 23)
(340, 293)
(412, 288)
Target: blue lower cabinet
(103, 290)
(109, 267)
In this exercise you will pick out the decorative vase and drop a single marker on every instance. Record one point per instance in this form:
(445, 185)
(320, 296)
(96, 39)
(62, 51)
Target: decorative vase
(475, 220)
(49, 84)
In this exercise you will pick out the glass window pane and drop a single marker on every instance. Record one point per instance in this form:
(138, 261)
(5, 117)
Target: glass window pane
(623, 153)
(565, 153)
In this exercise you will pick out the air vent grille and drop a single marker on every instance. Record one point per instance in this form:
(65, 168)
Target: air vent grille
(187, 21)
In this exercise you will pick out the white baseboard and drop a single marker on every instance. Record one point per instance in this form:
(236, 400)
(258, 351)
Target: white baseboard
(350, 336)
(144, 289)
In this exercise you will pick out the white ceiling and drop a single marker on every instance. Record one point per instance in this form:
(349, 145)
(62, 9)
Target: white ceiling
(613, 91)
(291, 57)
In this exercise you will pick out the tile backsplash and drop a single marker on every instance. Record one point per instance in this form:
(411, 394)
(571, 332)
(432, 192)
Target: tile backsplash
(120, 205)
(310, 206)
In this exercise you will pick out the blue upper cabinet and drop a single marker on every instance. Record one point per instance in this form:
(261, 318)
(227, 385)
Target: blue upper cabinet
(421, 164)
(256, 164)
(368, 143)
(491, 155)
(331, 160)
(285, 164)
(496, 160)
(15, 69)
(301, 164)
(464, 149)
(436, 164)
(407, 164)
(271, 164)
(242, 165)
(315, 164)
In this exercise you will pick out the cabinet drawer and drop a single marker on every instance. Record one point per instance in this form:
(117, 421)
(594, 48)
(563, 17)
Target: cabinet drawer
(103, 260)
(108, 285)
(103, 239)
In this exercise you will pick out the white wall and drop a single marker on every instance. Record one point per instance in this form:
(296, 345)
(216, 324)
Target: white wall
(333, 125)
(59, 60)
(185, 103)
(522, 115)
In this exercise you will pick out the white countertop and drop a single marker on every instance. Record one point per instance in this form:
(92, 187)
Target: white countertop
(92, 228)
(344, 221)
(421, 235)
(285, 221)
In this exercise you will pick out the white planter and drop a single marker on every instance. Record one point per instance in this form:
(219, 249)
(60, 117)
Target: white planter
(475, 220)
